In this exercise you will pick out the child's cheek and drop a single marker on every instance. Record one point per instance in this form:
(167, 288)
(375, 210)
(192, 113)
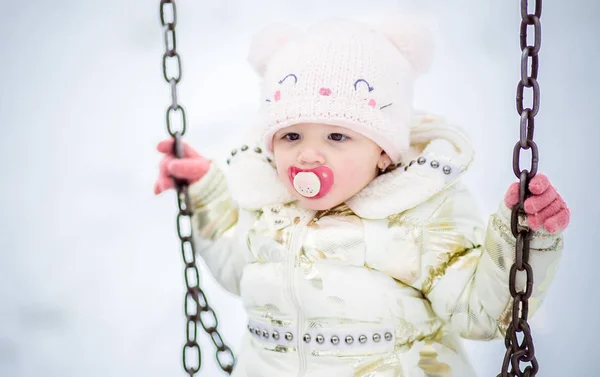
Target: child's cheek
(282, 166)
(343, 173)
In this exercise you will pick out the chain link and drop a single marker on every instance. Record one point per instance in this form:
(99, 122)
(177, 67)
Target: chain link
(196, 305)
(520, 359)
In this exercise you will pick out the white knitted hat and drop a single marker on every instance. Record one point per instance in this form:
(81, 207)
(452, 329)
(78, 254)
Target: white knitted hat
(342, 73)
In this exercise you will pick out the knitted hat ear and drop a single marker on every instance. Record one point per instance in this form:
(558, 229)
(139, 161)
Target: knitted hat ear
(413, 40)
(268, 41)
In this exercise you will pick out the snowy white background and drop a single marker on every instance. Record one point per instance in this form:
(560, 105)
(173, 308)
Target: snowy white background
(90, 270)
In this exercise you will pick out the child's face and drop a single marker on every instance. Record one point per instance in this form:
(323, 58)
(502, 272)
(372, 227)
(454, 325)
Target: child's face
(353, 159)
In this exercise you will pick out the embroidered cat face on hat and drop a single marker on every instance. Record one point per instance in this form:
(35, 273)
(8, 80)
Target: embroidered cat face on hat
(341, 73)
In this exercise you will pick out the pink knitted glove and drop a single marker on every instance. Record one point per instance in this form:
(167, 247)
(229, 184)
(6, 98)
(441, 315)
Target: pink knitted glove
(190, 168)
(544, 207)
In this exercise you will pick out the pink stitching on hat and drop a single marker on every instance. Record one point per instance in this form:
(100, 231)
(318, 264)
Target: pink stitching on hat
(325, 91)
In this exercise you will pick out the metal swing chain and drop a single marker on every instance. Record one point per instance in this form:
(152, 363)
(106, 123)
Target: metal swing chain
(196, 305)
(522, 351)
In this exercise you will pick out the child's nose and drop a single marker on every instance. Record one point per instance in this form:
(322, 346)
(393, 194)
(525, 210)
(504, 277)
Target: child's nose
(310, 156)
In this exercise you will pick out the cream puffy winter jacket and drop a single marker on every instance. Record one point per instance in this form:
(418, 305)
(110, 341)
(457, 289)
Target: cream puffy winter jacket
(383, 285)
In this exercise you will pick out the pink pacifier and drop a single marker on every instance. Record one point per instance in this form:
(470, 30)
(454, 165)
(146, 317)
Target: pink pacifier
(311, 183)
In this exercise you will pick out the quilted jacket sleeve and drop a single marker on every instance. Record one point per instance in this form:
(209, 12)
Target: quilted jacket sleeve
(220, 229)
(461, 266)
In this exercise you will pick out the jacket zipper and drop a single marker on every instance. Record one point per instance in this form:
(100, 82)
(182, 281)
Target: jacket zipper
(295, 247)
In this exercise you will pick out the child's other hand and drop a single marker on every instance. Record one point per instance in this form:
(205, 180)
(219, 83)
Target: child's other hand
(544, 208)
(190, 168)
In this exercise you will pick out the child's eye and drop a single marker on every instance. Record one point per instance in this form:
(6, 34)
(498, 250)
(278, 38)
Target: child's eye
(292, 136)
(337, 137)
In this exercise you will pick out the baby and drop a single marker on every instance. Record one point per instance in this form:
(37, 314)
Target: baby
(342, 223)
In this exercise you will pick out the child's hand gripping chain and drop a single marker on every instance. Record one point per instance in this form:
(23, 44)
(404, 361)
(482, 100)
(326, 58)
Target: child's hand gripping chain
(190, 168)
(545, 208)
